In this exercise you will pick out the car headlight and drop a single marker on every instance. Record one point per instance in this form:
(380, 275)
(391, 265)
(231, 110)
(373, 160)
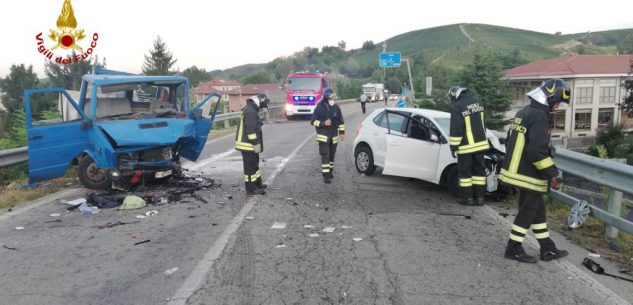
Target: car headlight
(288, 107)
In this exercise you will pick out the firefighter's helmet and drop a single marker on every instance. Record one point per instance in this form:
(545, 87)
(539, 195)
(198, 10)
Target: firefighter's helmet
(263, 100)
(329, 94)
(557, 91)
(454, 92)
(256, 100)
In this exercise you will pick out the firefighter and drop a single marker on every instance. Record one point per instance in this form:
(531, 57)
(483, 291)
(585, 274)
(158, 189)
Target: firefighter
(330, 127)
(468, 143)
(249, 141)
(530, 168)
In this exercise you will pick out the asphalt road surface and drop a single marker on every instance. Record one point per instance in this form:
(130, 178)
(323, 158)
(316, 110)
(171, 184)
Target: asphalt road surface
(393, 242)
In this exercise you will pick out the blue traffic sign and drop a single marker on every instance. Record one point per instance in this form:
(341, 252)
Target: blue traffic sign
(405, 90)
(389, 60)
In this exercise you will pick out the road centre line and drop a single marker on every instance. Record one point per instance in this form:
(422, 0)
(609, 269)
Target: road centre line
(199, 273)
(609, 296)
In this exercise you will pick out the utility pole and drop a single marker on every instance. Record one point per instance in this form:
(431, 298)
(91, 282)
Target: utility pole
(384, 69)
(410, 79)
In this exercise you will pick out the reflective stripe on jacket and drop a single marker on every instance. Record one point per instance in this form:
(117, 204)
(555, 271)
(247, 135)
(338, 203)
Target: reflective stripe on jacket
(528, 164)
(249, 132)
(468, 131)
(322, 112)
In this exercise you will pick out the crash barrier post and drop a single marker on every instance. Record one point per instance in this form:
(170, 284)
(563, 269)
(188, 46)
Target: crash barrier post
(613, 174)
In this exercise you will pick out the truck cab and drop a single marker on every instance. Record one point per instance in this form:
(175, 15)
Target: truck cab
(121, 130)
(303, 91)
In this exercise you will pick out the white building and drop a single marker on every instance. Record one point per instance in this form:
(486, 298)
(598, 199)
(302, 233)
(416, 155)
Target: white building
(597, 89)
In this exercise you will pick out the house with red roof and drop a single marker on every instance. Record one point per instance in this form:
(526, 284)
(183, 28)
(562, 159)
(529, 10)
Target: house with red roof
(219, 86)
(237, 98)
(597, 90)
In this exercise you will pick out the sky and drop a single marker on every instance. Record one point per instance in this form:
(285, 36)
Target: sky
(223, 34)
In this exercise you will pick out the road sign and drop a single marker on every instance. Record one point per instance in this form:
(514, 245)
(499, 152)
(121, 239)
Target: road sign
(429, 85)
(405, 90)
(389, 60)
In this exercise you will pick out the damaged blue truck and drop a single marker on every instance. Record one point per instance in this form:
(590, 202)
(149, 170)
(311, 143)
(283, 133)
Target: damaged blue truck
(122, 130)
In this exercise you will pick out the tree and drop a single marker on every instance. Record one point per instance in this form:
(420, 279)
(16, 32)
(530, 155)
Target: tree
(69, 76)
(482, 76)
(510, 60)
(160, 60)
(259, 77)
(342, 45)
(20, 77)
(627, 101)
(196, 75)
(626, 46)
(368, 45)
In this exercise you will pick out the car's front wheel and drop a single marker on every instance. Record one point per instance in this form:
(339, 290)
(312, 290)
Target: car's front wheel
(364, 160)
(452, 181)
(91, 176)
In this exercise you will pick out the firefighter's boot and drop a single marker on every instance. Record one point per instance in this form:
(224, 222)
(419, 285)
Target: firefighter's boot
(515, 251)
(549, 251)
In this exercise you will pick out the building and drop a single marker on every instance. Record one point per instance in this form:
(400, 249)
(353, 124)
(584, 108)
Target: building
(237, 98)
(219, 86)
(597, 90)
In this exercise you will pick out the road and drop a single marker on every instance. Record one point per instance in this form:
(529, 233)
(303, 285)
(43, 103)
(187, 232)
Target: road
(392, 243)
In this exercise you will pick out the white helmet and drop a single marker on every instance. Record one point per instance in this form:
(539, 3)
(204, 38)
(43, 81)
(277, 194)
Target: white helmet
(254, 99)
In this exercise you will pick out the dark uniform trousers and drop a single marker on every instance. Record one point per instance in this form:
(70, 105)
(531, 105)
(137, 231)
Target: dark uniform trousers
(327, 150)
(252, 175)
(362, 106)
(472, 175)
(531, 216)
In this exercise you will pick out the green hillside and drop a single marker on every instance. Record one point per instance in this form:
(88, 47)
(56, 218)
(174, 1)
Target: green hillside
(446, 48)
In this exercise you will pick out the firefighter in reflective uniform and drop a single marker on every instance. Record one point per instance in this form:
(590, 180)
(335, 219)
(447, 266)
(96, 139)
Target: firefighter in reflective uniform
(530, 167)
(249, 141)
(330, 128)
(468, 139)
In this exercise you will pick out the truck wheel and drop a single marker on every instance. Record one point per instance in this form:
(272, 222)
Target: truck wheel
(364, 160)
(452, 181)
(91, 176)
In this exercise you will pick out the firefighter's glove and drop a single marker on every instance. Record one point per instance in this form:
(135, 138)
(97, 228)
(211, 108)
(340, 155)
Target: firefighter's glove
(454, 153)
(556, 183)
(257, 148)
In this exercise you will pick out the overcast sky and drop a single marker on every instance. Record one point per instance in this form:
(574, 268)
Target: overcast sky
(223, 34)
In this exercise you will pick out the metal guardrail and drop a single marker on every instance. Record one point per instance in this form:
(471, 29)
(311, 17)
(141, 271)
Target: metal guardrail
(13, 156)
(617, 176)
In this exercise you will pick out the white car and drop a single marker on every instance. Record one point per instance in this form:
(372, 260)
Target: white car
(412, 142)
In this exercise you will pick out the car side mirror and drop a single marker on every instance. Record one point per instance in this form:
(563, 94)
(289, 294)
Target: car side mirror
(435, 139)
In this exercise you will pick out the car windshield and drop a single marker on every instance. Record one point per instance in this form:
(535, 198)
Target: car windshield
(136, 100)
(445, 123)
(304, 83)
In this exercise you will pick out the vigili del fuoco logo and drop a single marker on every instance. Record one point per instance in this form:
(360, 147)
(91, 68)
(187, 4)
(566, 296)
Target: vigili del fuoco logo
(66, 37)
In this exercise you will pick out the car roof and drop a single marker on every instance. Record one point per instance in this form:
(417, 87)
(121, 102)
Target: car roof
(425, 112)
(99, 79)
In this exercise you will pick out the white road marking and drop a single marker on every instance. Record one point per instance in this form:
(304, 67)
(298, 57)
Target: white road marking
(608, 295)
(209, 160)
(199, 273)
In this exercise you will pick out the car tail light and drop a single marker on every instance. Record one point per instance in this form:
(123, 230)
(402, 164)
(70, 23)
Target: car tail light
(358, 128)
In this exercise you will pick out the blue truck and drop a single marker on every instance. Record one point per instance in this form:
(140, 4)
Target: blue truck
(124, 129)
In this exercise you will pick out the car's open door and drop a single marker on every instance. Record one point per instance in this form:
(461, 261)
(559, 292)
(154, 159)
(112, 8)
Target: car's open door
(412, 154)
(191, 149)
(57, 132)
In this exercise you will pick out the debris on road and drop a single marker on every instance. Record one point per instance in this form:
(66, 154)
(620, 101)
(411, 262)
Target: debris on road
(280, 246)
(142, 242)
(309, 226)
(346, 227)
(278, 225)
(74, 202)
(313, 234)
(456, 214)
(132, 203)
(357, 239)
(55, 214)
(171, 271)
(88, 210)
(116, 224)
(19, 228)
(597, 269)
(140, 216)
(151, 213)
(328, 229)
(9, 248)
(593, 255)
(505, 215)
(249, 217)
